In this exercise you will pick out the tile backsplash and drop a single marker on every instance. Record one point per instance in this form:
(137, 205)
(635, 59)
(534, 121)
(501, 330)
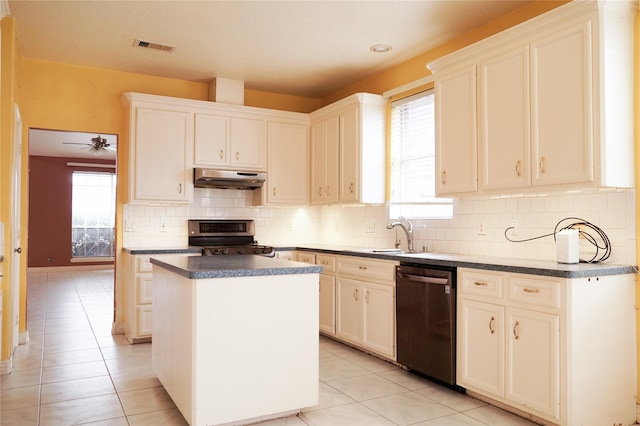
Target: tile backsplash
(612, 210)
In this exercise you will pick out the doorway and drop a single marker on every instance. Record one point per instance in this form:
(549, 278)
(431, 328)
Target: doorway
(64, 165)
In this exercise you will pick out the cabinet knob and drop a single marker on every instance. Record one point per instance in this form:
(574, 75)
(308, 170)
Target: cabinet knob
(518, 167)
(221, 154)
(443, 177)
(542, 165)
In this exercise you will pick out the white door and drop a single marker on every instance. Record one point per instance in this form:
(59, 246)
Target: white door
(15, 229)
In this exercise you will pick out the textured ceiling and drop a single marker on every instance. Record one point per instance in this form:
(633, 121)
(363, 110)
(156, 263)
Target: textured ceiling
(304, 48)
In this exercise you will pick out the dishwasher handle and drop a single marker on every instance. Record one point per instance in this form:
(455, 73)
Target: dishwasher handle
(422, 279)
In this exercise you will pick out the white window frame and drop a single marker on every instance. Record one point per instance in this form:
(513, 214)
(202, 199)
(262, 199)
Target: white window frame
(412, 167)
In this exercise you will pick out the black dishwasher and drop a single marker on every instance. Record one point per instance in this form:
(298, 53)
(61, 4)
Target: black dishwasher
(425, 321)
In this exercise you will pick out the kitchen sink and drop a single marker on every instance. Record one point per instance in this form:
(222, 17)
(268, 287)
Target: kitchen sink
(380, 250)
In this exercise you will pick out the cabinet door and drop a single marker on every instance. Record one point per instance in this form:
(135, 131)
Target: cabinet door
(350, 155)
(349, 309)
(504, 121)
(247, 143)
(211, 146)
(161, 152)
(288, 157)
(533, 360)
(325, 138)
(379, 319)
(456, 132)
(562, 115)
(481, 347)
(328, 304)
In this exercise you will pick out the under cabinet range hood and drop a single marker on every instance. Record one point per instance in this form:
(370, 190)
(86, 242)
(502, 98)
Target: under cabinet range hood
(228, 179)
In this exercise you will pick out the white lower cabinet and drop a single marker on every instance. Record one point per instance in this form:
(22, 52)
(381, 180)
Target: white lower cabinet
(138, 296)
(327, 309)
(365, 304)
(535, 343)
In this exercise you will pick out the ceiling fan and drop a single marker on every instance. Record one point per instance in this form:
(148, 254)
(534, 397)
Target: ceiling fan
(98, 145)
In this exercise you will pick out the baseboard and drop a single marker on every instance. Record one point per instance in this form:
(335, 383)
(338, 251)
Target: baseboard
(6, 366)
(117, 328)
(70, 268)
(23, 338)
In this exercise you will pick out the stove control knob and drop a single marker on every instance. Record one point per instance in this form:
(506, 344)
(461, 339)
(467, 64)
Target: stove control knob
(224, 251)
(240, 251)
(266, 250)
(256, 251)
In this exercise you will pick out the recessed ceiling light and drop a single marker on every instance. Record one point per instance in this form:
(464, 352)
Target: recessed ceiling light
(380, 48)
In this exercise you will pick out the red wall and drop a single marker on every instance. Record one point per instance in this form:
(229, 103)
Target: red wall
(50, 210)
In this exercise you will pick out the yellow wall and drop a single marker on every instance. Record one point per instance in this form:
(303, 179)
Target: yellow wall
(8, 83)
(637, 164)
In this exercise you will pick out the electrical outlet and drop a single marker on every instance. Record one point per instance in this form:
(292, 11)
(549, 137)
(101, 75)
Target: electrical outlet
(514, 227)
(129, 226)
(370, 226)
(289, 226)
(481, 228)
(163, 224)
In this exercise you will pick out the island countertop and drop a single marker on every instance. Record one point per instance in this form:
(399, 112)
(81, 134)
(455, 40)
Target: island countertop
(203, 267)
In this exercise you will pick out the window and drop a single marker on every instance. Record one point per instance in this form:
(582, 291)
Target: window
(93, 215)
(412, 152)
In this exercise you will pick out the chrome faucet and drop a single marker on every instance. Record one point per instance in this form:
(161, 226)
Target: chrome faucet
(407, 227)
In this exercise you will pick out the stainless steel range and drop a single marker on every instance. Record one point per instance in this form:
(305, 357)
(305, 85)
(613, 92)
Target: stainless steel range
(226, 237)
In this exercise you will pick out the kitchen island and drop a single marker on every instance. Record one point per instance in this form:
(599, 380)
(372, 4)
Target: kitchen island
(235, 338)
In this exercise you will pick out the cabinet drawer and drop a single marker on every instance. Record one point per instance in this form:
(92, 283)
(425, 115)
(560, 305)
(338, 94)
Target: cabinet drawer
(143, 263)
(365, 268)
(144, 290)
(484, 284)
(327, 262)
(306, 257)
(537, 292)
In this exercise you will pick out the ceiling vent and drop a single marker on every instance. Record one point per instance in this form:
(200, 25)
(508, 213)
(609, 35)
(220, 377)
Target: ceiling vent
(152, 45)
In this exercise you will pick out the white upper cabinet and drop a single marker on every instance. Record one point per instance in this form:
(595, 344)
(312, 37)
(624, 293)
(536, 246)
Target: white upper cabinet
(160, 151)
(225, 140)
(551, 111)
(456, 131)
(504, 120)
(288, 163)
(348, 151)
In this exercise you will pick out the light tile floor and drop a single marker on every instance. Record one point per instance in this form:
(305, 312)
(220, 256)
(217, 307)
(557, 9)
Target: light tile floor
(73, 371)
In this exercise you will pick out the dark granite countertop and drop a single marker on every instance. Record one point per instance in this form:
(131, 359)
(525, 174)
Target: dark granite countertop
(523, 266)
(203, 267)
(165, 250)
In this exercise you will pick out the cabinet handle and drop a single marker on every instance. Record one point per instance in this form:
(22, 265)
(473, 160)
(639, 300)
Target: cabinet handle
(531, 290)
(518, 167)
(516, 328)
(327, 190)
(221, 154)
(274, 191)
(351, 187)
(320, 191)
(364, 268)
(542, 164)
(443, 177)
(480, 284)
(492, 324)
(324, 262)
(237, 155)
(355, 294)
(366, 296)
(179, 188)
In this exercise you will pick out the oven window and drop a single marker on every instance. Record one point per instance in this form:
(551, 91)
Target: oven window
(93, 215)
